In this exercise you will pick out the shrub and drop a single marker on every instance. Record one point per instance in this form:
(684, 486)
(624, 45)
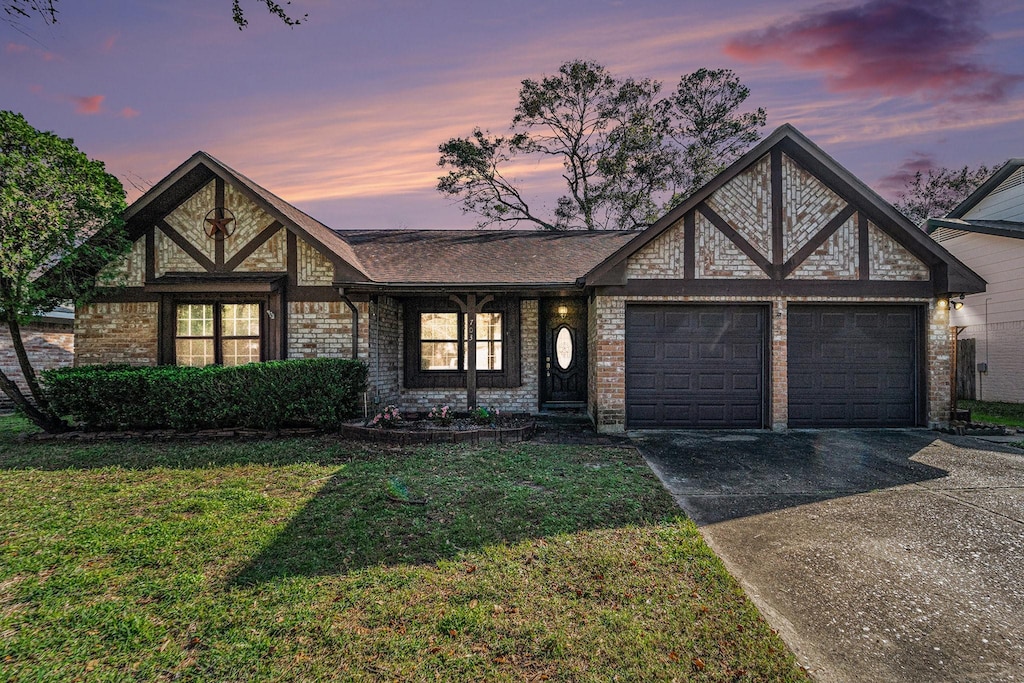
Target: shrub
(320, 391)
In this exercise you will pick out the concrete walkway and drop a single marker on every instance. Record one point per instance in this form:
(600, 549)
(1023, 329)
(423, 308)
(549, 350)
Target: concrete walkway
(878, 555)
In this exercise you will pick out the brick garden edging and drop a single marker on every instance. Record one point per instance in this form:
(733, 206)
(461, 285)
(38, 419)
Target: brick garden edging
(472, 436)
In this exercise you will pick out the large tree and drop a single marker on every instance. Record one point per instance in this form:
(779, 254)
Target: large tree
(47, 11)
(626, 152)
(937, 192)
(60, 222)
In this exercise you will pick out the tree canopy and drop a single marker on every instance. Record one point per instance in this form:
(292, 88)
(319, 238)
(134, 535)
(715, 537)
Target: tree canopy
(937, 192)
(47, 11)
(60, 222)
(627, 152)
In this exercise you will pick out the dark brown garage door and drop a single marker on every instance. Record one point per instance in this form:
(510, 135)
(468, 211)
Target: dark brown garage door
(852, 366)
(694, 366)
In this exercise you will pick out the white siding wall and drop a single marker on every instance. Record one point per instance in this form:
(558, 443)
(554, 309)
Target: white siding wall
(1000, 260)
(1005, 205)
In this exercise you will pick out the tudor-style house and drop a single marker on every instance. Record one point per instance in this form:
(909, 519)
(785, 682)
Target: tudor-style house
(783, 293)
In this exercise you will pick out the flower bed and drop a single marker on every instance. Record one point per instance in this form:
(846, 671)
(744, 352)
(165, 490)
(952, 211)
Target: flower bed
(442, 425)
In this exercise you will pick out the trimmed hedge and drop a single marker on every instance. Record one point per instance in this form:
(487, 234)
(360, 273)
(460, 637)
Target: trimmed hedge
(320, 391)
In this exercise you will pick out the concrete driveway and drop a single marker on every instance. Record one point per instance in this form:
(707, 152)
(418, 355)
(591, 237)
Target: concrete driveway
(878, 555)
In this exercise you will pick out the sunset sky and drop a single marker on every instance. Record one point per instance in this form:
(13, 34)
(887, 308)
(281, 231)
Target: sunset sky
(342, 115)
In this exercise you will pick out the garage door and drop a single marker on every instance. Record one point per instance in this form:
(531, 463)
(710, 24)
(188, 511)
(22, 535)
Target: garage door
(853, 366)
(694, 366)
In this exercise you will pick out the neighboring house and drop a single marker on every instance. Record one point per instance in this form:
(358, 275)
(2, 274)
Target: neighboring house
(986, 231)
(49, 341)
(783, 293)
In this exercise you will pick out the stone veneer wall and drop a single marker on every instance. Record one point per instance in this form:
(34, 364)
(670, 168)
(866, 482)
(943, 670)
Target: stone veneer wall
(521, 399)
(319, 329)
(117, 333)
(608, 382)
(49, 345)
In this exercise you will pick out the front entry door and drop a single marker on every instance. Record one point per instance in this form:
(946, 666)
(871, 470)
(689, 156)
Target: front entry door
(563, 352)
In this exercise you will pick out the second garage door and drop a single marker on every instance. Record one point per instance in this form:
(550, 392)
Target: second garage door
(694, 366)
(852, 366)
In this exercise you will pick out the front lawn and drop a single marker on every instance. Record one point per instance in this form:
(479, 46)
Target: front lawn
(292, 560)
(994, 412)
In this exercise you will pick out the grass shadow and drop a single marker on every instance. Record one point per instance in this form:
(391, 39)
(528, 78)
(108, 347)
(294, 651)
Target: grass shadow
(465, 499)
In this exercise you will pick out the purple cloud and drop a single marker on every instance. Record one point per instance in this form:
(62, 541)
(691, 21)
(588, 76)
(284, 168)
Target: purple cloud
(896, 181)
(893, 47)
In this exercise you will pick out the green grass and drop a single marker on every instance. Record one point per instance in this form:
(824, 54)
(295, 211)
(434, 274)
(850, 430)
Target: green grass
(287, 560)
(993, 412)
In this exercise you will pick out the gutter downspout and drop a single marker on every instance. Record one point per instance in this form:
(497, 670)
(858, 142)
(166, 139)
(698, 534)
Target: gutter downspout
(355, 322)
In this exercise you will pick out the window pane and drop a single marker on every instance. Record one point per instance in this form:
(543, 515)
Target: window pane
(563, 348)
(488, 326)
(439, 326)
(488, 355)
(240, 351)
(195, 320)
(488, 341)
(240, 320)
(196, 352)
(439, 356)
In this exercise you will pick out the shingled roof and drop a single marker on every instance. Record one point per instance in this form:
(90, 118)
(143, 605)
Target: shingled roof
(480, 257)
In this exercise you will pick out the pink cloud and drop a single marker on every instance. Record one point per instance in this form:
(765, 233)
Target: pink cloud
(92, 104)
(128, 113)
(15, 48)
(892, 47)
(109, 43)
(920, 162)
(35, 89)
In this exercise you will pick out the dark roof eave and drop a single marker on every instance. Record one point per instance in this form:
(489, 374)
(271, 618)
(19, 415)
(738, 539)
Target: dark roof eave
(406, 287)
(983, 227)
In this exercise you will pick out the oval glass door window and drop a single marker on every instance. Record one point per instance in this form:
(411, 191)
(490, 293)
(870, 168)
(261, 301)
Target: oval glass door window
(563, 348)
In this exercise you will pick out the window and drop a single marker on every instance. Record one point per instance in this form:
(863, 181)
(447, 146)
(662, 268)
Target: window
(437, 344)
(440, 334)
(228, 334)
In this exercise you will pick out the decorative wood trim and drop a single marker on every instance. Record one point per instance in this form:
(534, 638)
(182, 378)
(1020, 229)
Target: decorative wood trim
(293, 260)
(218, 241)
(213, 288)
(689, 245)
(778, 255)
(863, 247)
(766, 288)
(313, 293)
(736, 239)
(150, 245)
(818, 239)
(257, 242)
(186, 246)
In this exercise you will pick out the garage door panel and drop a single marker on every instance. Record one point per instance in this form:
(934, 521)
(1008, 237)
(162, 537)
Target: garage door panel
(853, 365)
(710, 361)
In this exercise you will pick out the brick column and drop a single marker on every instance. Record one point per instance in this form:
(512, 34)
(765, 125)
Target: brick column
(939, 361)
(779, 412)
(610, 366)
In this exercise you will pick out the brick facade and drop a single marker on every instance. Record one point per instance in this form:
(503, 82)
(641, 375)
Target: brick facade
(319, 329)
(117, 333)
(49, 345)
